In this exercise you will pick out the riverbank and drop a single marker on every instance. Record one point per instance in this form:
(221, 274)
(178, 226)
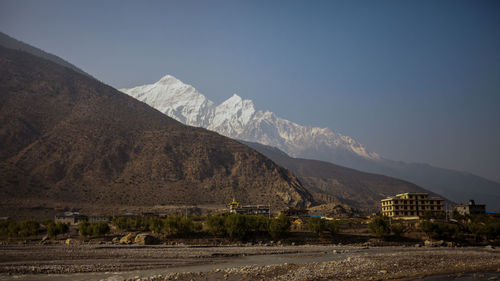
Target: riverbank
(306, 262)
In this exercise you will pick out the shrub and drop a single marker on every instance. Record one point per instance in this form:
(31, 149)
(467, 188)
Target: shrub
(379, 226)
(279, 227)
(438, 230)
(54, 229)
(397, 229)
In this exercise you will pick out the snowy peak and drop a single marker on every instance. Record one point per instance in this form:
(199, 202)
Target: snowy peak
(168, 79)
(236, 109)
(175, 99)
(237, 118)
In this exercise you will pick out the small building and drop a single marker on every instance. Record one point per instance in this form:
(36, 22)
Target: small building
(72, 218)
(128, 215)
(296, 213)
(235, 207)
(411, 205)
(318, 216)
(149, 214)
(471, 208)
(99, 219)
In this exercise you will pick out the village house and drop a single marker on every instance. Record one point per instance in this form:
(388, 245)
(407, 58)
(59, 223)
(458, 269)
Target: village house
(471, 208)
(73, 218)
(411, 206)
(99, 219)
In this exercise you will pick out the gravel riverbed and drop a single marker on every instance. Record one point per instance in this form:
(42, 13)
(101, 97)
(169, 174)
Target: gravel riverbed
(308, 262)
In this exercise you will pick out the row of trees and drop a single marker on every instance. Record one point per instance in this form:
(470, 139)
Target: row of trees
(27, 228)
(318, 226)
(381, 227)
(172, 225)
(86, 228)
(481, 227)
(234, 226)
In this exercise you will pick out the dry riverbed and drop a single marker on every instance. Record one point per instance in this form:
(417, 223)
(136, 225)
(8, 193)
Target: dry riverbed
(308, 262)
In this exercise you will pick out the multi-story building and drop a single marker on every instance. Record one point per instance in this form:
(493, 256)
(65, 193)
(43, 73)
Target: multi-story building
(471, 208)
(412, 205)
(235, 207)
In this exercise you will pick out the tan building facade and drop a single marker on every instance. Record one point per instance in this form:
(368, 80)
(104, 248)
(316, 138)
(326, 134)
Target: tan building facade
(411, 205)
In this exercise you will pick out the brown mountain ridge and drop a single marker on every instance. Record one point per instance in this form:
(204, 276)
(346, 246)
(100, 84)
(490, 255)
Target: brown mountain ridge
(68, 138)
(332, 184)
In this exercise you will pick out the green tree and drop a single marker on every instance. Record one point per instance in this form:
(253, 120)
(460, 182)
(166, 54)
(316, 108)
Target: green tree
(279, 227)
(93, 229)
(54, 229)
(332, 227)
(84, 228)
(215, 225)
(397, 229)
(156, 225)
(14, 229)
(438, 230)
(9, 228)
(379, 226)
(185, 226)
(99, 228)
(236, 226)
(316, 225)
(121, 223)
(176, 225)
(484, 227)
(28, 228)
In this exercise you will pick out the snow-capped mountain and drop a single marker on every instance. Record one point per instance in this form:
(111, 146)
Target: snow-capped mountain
(239, 119)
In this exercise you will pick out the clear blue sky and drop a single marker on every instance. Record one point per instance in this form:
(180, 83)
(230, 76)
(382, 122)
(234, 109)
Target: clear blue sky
(417, 81)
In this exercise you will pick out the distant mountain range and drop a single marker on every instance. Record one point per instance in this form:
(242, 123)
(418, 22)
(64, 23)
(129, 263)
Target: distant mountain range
(70, 141)
(237, 118)
(12, 43)
(330, 183)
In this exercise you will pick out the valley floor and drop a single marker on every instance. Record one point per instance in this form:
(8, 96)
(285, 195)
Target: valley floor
(307, 262)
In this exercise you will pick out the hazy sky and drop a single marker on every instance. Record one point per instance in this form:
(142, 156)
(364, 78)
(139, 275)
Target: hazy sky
(417, 81)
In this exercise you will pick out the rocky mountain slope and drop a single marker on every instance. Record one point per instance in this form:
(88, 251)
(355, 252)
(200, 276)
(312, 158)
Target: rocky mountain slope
(68, 140)
(237, 118)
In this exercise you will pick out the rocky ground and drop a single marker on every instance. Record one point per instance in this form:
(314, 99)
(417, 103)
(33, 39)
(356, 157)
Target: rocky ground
(385, 266)
(309, 262)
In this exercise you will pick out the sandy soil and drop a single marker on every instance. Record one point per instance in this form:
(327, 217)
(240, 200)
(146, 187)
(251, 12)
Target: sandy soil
(308, 262)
